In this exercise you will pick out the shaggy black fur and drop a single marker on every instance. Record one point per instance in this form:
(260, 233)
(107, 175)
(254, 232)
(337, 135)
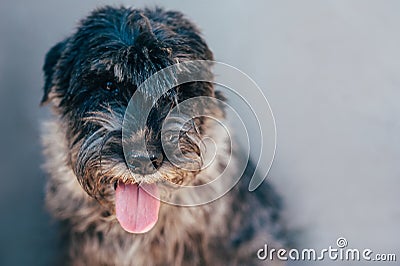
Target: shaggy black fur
(114, 51)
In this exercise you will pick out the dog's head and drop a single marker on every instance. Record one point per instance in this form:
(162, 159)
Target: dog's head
(90, 78)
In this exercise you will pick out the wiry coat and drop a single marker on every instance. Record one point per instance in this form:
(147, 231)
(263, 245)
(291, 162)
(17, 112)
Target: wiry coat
(127, 46)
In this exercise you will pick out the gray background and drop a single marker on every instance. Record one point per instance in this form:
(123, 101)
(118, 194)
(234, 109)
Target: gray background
(328, 68)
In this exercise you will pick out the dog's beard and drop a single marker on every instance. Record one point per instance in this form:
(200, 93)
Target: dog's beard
(103, 173)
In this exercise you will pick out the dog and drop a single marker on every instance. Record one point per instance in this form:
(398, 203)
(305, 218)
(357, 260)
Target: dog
(107, 199)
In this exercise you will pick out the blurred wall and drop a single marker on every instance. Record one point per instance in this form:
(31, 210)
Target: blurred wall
(328, 68)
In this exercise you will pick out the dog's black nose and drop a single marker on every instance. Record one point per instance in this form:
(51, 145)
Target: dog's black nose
(140, 164)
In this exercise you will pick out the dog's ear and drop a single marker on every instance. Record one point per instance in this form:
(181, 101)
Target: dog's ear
(49, 68)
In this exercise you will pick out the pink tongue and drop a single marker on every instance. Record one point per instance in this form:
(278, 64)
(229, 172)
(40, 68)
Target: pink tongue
(137, 210)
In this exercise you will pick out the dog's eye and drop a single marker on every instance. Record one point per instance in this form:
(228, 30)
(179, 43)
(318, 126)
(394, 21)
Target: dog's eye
(173, 138)
(111, 86)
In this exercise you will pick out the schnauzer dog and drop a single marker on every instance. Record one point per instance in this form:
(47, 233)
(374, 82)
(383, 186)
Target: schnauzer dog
(107, 199)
